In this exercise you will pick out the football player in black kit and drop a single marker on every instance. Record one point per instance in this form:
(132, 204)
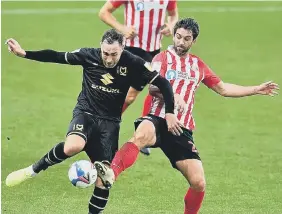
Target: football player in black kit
(108, 73)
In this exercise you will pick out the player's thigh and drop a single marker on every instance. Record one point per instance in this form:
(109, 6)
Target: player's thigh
(146, 131)
(193, 171)
(78, 133)
(104, 142)
(184, 155)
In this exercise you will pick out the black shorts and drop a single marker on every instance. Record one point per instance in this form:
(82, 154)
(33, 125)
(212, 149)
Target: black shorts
(176, 148)
(147, 56)
(101, 135)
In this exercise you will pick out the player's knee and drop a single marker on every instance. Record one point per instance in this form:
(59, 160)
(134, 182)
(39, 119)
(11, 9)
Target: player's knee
(199, 184)
(142, 139)
(73, 145)
(145, 134)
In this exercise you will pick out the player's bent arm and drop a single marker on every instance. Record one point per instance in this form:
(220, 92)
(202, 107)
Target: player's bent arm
(172, 18)
(232, 90)
(105, 14)
(166, 91)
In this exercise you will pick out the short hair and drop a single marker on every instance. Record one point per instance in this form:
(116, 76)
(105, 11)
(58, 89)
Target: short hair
(188, 24)
(111, 36)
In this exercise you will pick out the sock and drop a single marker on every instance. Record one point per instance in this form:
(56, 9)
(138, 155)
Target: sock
(54, 156)
(147, 105)
(98, 200)
(124, 158)
(193, 201)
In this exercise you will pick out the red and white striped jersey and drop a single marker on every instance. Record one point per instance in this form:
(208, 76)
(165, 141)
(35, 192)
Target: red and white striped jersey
(185, 75)
(147, 16)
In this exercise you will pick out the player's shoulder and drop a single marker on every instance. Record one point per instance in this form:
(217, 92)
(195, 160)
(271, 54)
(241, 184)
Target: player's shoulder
(128, 58)
(91, 52)
(160, 56)
(200, 62)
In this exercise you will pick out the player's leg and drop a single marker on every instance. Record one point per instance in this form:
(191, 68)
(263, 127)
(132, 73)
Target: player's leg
(74, 143)
(193, 171)
(148, 57)
(102, 147)
(146, 110)
(184, 156)
(145, 135)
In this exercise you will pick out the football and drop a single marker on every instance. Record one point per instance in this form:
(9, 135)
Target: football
(82, 174)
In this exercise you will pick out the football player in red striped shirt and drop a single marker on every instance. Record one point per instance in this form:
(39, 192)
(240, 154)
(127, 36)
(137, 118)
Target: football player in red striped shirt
(185, 72)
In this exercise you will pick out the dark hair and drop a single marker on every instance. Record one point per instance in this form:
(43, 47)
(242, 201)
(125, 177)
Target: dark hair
(188, 24)
(111, 36)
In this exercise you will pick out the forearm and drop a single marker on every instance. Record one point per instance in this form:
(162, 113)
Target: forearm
(46, 56)
(232, 90)
(171, 21)
(166, 91)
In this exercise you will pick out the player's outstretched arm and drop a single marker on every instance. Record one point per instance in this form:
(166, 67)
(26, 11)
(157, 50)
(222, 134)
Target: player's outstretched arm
(42, 56)
(231, 90)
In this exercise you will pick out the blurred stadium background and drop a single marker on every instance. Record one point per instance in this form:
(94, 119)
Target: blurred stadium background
(239, 139)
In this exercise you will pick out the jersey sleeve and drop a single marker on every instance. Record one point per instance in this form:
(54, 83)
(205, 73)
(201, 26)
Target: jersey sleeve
(117, 3)
(143, 73)
(77, 57)
(210, 78)
(159, 63)
(171, 5)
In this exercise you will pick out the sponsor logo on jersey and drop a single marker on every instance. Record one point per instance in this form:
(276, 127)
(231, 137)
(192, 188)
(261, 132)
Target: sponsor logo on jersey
(105, 89)
(171, 75)
(107, 79)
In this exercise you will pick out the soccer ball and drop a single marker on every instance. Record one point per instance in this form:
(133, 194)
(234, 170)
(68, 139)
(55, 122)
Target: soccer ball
(82, 174)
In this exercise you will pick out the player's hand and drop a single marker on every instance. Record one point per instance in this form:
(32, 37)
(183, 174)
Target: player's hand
(173, 124)
(268, 88)
(166, 30)
(180, 103)
(15, 48)
(129, 32)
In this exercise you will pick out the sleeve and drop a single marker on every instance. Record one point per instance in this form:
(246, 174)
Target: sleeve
(210, 78)
(77, 57)
(159, 63)
(172, 4)
(143, 73)
(117, 3)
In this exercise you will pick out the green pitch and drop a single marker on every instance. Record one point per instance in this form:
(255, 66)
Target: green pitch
(239, 139)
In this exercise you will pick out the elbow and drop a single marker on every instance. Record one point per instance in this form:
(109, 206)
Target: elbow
(102, 14)
(224, 93)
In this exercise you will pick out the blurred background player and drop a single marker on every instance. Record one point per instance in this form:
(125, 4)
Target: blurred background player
(144, 26)
(185, 72)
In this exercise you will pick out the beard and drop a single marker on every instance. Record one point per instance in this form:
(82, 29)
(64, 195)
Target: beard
(180, 50)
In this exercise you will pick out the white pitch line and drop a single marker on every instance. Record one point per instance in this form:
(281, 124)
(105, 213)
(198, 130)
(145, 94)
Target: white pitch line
(52, 11)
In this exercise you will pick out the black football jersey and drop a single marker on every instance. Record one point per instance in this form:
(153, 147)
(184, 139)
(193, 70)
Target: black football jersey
(104, 89)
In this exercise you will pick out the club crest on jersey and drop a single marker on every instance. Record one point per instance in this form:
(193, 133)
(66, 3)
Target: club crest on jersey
(171, 75)
(122, 71)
